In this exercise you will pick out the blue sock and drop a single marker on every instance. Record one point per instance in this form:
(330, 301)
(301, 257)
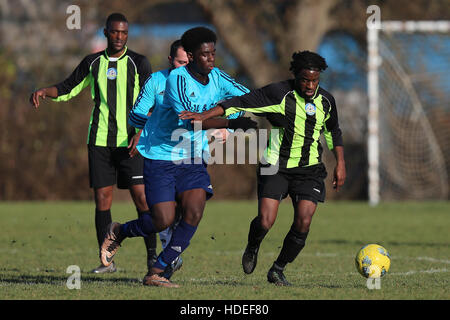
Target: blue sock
(180, 240)
(141, 227)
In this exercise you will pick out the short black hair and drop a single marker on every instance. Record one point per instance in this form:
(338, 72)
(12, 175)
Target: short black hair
(307, 60)
(174, 48)
(192, 39)
(113, 17)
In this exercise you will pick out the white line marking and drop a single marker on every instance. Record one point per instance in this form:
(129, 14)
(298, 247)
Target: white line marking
(408, 273)
(433, 260)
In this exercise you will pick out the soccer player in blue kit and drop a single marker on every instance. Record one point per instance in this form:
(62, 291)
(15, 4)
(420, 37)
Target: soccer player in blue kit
(150, 97)
(175, 172)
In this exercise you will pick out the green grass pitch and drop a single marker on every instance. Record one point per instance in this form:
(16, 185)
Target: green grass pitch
(40, 240)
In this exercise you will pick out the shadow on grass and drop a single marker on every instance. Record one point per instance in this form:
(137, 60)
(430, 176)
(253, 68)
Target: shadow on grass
(219, 282)
(55, 280)
(50, 279)
(58, 280)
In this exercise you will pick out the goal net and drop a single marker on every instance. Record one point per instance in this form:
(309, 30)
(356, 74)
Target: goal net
(409, 111)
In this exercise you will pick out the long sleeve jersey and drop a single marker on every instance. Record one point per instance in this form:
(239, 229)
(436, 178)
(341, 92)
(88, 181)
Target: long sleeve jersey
(298, 122)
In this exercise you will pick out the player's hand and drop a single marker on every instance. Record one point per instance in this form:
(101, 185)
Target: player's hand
(34, 98)
(243, 123)
(194, 116)
(133, 143)
(339, 176)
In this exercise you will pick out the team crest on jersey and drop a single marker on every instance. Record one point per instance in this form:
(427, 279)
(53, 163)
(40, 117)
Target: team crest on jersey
(111, 74)
(310, 109)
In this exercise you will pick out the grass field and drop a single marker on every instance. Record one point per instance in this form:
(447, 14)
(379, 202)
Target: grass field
(40, 240)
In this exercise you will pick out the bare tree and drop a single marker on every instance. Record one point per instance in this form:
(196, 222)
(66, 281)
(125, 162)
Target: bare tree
(249, 27)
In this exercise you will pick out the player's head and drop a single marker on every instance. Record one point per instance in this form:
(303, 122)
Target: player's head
(116, 31)
(306, 67)
(177, 56)
(200, 46)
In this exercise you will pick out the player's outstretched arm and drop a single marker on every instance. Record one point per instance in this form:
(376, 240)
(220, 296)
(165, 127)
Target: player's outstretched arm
(217, 111)
(243, 123)
(209, 120)
(51, 92)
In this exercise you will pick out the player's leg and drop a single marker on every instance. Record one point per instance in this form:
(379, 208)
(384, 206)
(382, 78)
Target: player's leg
(193, 203)
(131, 176)
(306, 191)
(102, 177)
(160, 194)
(294, 241)
(259, 227)
(296, 237)
(165, 237)
(138, 195)
(271, 190)
(194, 188)
(161, 216)
(166, 234)
(103, 201)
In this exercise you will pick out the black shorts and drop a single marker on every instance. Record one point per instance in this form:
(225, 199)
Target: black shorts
(109, 165)
(305, 184)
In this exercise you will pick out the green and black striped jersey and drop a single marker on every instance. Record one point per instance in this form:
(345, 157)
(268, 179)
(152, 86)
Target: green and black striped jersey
(115, 84)
(300, 122)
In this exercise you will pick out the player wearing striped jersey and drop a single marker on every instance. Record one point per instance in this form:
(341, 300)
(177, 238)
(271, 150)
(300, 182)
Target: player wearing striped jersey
(115, 76)
(301, 111)
(174, 171)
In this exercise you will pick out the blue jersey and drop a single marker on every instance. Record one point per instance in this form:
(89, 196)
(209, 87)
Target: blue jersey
(165, 136)
(151, 95)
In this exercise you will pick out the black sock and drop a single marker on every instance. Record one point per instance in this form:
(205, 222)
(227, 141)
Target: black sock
(292, 245)
(102, 219)
(150, 242)
(256, 233)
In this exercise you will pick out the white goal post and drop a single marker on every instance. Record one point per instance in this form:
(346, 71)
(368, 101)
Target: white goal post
(375, 94)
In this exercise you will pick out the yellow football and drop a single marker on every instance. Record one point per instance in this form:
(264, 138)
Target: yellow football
(372, 261)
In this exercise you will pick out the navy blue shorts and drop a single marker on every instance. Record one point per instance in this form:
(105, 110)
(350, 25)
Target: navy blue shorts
(164, 180)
